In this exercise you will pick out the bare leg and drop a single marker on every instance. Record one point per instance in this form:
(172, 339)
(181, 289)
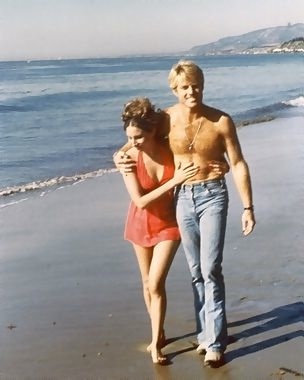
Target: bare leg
(154, 264)
(163, 255)
(144, 258)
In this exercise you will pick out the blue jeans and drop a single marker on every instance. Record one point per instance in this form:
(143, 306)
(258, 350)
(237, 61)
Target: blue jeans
(201, 211)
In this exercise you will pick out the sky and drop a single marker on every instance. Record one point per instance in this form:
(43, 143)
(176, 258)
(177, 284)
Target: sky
(52, 29)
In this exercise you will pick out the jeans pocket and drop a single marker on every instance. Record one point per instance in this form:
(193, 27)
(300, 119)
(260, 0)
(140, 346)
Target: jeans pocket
(216, 188)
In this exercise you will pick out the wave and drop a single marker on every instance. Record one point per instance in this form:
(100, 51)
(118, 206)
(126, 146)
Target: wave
(297, 102)
(4, 109)
(266, 113)
(62, 180)
(252, 116)
(61, 100)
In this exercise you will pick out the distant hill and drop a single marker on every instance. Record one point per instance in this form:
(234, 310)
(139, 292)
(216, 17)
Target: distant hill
(294, 45)
(258, 41)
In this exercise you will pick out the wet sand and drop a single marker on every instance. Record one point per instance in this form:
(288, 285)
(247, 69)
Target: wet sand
(71, 300)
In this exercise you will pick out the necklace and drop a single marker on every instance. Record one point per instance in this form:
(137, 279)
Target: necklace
(191, 143)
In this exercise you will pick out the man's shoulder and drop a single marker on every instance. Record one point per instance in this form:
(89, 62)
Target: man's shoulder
(171, 109)
(215, 114)
(218, 117)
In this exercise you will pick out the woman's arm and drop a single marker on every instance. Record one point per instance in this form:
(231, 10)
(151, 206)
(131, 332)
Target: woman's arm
(142, 200)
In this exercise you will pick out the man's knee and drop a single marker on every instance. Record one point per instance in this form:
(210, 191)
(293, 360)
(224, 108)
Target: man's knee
(212, 272)
(197, 279)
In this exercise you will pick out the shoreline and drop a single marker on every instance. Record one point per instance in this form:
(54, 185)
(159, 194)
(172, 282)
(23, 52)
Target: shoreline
(71, 299)
(48, 184)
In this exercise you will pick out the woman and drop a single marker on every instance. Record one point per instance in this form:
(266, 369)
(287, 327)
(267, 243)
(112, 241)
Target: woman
(151, 225)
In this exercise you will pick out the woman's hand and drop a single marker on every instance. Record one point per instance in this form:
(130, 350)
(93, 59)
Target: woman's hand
(219, 168)
(123, 162)
(184, 172)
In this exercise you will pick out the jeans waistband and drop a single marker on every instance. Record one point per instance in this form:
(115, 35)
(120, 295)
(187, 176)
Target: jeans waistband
(219, 181)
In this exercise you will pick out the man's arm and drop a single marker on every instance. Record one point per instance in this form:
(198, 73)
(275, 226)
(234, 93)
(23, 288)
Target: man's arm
(124, 163)
(240, 173)
(124, 148)
(122, 160)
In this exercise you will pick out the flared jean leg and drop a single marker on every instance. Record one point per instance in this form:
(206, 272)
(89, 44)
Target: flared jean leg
(201, 214)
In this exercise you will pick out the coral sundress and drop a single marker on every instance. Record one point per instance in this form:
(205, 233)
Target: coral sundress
(157, 222)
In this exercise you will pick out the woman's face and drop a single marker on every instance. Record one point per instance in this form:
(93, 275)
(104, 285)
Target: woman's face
(138, 138)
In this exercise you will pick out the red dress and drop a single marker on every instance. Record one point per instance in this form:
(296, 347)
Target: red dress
(157, 222)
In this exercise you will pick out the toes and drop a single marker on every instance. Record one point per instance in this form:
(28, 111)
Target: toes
(158, 357)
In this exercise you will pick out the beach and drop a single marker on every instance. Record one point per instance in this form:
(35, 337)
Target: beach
(71, 298)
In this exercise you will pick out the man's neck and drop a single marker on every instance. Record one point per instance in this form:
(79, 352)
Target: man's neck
(192, 114)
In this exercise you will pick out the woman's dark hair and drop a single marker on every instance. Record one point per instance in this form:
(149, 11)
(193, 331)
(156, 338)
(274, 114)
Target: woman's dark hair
(141, 113)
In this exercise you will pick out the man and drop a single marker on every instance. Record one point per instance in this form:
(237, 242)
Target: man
(201, 134)
(204, 135)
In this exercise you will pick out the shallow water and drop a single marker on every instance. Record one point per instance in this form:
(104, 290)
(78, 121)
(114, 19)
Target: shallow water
(61, 119)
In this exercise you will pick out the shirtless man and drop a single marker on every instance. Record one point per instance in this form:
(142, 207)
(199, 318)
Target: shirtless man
(201, 134)
(204, 135)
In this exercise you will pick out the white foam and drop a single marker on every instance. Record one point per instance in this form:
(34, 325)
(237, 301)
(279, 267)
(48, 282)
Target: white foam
(297, 102)
(64, 180)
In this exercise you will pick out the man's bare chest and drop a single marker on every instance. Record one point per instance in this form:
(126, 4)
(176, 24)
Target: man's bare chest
(204, 140)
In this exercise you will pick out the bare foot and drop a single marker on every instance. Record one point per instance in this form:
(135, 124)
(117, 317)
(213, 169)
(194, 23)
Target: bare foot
(157, 356)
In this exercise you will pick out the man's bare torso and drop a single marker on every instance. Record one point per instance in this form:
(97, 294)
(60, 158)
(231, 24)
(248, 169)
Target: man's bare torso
(200, 142)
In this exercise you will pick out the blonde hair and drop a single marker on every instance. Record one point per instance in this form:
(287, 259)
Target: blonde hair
(186, 68)
(141, 113)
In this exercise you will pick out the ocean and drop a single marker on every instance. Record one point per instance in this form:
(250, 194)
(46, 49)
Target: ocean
(60, 120)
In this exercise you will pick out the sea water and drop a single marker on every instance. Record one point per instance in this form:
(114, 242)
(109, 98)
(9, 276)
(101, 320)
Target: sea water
(60, 120)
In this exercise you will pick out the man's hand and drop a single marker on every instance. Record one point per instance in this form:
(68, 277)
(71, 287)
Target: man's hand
(248, 222)
(123, 162)
(220, 168)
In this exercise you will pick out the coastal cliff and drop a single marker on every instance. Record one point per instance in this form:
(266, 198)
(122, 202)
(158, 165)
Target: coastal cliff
(295, 45)
(280, 39)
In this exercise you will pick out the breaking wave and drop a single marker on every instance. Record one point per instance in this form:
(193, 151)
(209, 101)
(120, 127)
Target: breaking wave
(266, 113)
(62, 180)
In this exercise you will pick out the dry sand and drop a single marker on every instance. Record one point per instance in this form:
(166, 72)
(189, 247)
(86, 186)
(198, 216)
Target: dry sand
(71, 301)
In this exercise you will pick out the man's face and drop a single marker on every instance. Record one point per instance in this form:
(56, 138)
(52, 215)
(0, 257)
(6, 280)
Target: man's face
(189, 91)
